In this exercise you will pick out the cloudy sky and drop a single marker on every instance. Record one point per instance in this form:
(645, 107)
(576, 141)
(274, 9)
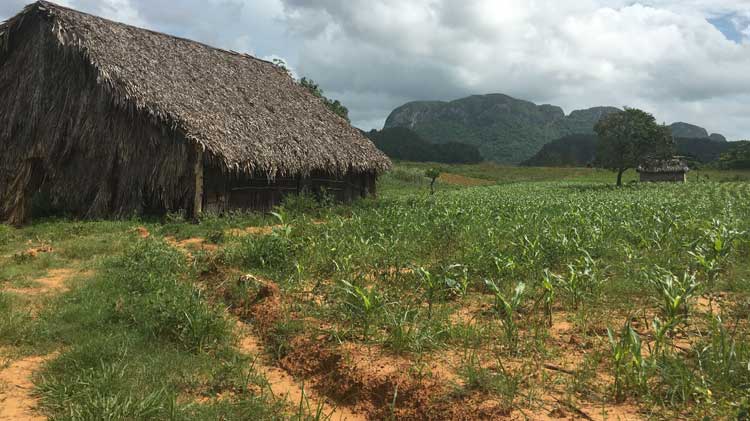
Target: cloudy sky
(683, 60)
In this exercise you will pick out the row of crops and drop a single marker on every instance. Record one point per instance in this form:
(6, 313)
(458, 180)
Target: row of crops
(650, 282)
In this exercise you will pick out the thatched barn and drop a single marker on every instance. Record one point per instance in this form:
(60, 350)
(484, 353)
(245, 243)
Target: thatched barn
(108, 120)
(664, 170)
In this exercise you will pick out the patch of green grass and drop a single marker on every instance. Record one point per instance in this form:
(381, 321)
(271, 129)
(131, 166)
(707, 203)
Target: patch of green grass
(6, 235)
(141, 342)
(17, 327)
(123, 376)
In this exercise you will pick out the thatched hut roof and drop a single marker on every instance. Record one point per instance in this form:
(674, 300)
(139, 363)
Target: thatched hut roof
(656, 166)
(248, 114)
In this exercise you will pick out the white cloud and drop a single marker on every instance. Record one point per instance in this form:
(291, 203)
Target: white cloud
(662, 55)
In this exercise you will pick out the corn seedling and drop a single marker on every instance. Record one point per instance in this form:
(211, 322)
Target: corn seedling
(674, 293)
(507, 309)
(581, 281)
(630, 368)
(432, 286)
(711, 256)
(364, 304)
(548, 297)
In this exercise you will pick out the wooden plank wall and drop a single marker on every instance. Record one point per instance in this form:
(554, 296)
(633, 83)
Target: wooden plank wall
(225, 193)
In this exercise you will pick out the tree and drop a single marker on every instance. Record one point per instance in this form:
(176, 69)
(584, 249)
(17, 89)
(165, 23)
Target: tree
(334, 105)
(432, 174)
(627, 138)
(737, 157)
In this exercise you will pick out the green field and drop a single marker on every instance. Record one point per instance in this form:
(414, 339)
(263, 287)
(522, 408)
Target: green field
(519, 293)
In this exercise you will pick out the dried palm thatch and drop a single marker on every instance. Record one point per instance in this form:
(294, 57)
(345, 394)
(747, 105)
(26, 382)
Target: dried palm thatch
(105, 117)
(657, 166)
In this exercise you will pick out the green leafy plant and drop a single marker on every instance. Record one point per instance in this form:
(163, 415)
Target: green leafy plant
(409, 332)
(548, 295)
(363, 304)
(507, 309)
(433, 288)
(674, 292)
(432, 174)
(581, 281)
(630, 367)
(498, 382)
(456, 280)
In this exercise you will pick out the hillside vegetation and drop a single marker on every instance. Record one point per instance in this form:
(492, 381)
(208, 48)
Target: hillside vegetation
(737, 157)
(403, 144)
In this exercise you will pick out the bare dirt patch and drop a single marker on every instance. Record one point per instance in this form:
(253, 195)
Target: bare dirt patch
(383, 387)
(284, 386)
(558, 410)
(53, 282)
(142, 232)
(191, 244)
(16, 399)
(263, 307)
(34, 251)
(244, 232)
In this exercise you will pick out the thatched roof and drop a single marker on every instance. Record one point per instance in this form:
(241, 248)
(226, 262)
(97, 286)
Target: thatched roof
(656, 166)
(248, 114)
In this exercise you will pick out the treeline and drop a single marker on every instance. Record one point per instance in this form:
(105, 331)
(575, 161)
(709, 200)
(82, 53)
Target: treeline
(403, 144)
(737, 157)
(579, 150)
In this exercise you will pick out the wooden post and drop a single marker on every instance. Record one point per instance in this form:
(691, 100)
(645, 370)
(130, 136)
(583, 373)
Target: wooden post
(198, 203)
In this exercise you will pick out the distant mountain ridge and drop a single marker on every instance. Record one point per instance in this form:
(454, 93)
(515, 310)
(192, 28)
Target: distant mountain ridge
(504, 129)
(691, 131)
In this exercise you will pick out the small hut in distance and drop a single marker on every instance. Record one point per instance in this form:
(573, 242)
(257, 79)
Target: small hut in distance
(664, 170)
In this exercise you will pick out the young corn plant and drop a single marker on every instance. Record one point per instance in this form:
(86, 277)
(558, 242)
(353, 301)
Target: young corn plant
(433, 288)
(507, 308)
(363, 304)
(630, 368)
(548, 295)
(581, 281)
(409, 332)
(674, 293)
(711, 256)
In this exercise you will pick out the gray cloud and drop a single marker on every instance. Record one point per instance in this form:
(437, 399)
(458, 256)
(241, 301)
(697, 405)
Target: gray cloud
(661, 55)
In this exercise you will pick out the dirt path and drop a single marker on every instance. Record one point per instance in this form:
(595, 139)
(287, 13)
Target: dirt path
(16, 386)
(284, 386)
